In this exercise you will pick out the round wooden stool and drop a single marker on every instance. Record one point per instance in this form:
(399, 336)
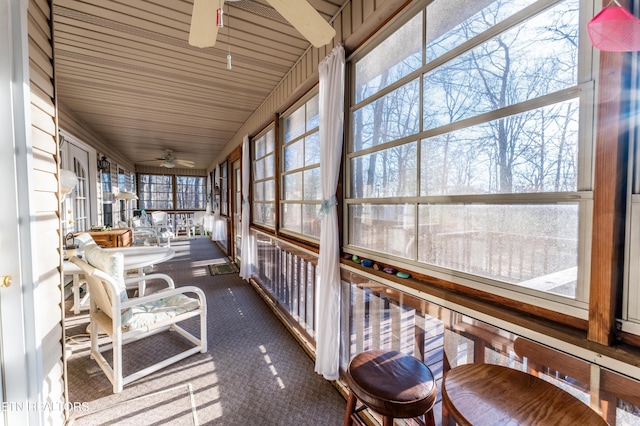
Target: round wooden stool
(391, 384)
(487, 395)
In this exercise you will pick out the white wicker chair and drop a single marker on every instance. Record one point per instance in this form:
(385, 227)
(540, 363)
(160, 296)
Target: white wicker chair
(198, 223)
(125, 320)
(143, 233)
(160, 222)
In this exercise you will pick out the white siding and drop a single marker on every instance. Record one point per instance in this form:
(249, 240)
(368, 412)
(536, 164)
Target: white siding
(48, 291)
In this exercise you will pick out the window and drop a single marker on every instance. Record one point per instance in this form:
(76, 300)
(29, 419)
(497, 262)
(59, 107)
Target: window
(156, 192)
(264, 179)
(123, 184)
(80, 196)
(631, 107)
(300, 174)
(470, 152)
(132, 182)
(107, 198)
(224, 188)
(190, 193)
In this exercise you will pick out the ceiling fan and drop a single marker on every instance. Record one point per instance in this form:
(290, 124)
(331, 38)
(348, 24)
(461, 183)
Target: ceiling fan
(299, 13)
(170, 161)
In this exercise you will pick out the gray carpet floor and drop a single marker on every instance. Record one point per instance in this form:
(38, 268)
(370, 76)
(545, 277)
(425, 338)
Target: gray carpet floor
(254, 372)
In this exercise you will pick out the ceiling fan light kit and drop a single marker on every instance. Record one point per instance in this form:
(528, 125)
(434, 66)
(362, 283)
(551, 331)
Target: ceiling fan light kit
(169, 164)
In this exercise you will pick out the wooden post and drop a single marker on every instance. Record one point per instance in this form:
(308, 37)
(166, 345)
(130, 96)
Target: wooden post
(609, 193)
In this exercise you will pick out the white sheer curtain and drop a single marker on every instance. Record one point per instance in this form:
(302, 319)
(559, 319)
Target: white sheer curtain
(331, 100)
(247, 246)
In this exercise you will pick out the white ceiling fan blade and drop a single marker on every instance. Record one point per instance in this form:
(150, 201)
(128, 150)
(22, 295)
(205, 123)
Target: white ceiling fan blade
(185, 163)
(203, 31)
(306, 20)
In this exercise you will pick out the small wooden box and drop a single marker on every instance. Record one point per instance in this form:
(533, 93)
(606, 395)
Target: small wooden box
(119, 237)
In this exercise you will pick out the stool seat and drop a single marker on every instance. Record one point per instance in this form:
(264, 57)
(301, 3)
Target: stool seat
(487, 395)
(392, 384)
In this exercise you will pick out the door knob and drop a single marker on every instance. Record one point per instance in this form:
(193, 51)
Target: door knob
(6, 281)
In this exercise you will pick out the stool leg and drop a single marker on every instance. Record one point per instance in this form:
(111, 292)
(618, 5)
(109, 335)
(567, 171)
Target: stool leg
(351, 406)
(429, 418)
(387, 421)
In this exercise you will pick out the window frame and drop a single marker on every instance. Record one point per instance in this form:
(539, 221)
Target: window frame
(630, 315)
(281, 145)
(583, 195)
(224, 189)
(264, 136)
(173, 191)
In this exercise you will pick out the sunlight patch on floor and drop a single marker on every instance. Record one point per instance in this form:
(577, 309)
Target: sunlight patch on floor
(232, 295)
(176, 403)
(217, 410)
(217, 261)
(272, 368)
(200, 272)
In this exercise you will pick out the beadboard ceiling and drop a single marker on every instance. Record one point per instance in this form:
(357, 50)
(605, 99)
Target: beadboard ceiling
(125, 68)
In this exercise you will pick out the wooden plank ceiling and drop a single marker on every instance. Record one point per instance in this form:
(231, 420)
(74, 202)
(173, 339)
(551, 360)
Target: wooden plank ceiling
(125, 68)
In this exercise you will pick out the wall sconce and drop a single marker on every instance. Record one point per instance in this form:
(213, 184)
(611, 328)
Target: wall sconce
(104, 164)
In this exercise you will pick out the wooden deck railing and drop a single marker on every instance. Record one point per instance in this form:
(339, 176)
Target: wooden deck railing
(378, 316)
(288, 274)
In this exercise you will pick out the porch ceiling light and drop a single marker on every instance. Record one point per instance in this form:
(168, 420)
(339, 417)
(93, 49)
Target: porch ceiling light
(104, 164)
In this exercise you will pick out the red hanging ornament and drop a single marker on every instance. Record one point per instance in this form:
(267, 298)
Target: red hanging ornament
(615, 29)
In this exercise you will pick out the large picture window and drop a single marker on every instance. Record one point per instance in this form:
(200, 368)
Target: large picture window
(162, 192)
(470, 152)
(190, 192)
(156, 192)
(264, 208)
(300, 174)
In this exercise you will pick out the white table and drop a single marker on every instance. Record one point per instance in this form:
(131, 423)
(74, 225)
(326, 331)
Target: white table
(136, 258)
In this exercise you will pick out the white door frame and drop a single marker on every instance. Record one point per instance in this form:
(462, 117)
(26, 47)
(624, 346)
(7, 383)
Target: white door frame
(66, 152)
(20, 352)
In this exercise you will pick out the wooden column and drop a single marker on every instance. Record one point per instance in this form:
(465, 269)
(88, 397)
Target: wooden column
(609, 193)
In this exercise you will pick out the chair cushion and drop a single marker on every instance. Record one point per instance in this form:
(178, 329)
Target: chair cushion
(150, 313)
(110, 262)
(84, 240)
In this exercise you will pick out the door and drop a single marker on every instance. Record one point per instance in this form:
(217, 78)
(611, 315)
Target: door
(16, 351)
(78, 202)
